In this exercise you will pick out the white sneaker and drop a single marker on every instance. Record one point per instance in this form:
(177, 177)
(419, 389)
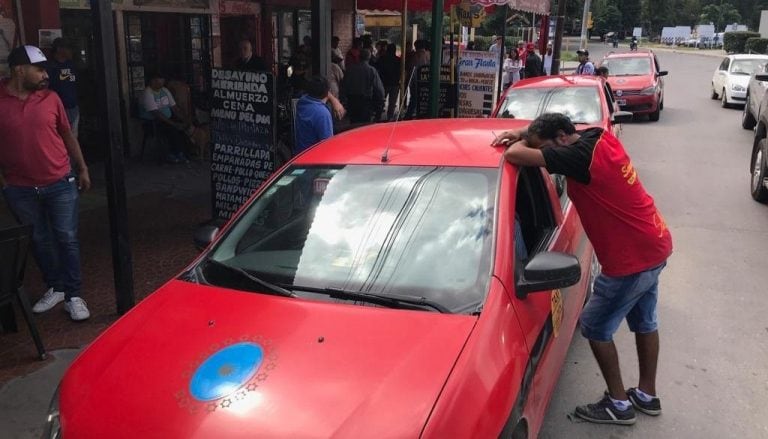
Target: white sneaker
(77, 309)
(49, 300)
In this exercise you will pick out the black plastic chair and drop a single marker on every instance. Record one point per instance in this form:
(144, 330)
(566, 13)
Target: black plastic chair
(14, 247)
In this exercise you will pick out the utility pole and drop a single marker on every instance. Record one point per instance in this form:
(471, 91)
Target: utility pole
(558, 37)
(584, 18)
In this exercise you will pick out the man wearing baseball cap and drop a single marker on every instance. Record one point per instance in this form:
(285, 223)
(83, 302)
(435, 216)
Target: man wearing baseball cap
(37, 179)
(585, 65)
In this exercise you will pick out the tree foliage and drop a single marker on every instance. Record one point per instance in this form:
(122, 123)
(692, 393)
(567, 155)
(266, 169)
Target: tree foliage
(652, 15)
(720, 15)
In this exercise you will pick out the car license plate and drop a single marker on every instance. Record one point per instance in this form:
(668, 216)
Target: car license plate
(621, 101)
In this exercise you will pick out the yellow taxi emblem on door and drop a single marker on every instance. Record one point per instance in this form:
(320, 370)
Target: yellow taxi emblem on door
(557, 311)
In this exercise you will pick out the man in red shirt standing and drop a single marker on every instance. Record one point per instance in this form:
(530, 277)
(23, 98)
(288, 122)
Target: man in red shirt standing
(37, 180)
(631, 241)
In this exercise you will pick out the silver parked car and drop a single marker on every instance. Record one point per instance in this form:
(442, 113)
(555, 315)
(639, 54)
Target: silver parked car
(755, 91)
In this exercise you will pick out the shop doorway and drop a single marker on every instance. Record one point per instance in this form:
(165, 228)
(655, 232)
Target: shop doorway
(178, 45)
(233, 30)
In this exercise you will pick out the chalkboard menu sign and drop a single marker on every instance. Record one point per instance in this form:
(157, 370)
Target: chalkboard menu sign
(242, 137)
(447, 100)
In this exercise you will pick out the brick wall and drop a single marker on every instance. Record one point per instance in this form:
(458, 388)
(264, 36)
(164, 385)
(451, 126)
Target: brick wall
(343, 25)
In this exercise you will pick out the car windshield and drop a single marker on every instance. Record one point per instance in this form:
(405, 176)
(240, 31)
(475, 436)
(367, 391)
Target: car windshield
(746, 66)
(408, 231)
(580, 104)
(627, 66)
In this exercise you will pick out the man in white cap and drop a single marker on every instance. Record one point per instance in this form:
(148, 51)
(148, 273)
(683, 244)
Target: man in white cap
(37, 179)
(496, 46)
(585, 65)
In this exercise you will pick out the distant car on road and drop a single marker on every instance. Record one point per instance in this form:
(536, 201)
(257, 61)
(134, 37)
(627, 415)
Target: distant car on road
(731, 78)
(758, 164)
(636, 81)
(396, 281)
(586, 100)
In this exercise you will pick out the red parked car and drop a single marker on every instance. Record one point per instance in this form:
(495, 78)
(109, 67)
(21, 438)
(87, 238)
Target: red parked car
(637, 82)
(587, 100)
(395, 281)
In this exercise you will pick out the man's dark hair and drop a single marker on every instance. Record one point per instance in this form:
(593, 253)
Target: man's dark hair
(365, 55)
(419, 44)
(60, 43)
(317, 87)
(547, 125)
(602, 71)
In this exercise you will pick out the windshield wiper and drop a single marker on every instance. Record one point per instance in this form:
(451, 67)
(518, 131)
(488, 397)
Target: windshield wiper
(253, 279)
(391, 300)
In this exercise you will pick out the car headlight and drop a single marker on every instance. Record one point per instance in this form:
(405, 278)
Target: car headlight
(737, 87)
(648, 91)
(52, 428)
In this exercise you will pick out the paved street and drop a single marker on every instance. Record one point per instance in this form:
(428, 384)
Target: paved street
(713, 378)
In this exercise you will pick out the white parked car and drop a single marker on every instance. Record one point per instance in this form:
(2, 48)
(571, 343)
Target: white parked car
(730, 80)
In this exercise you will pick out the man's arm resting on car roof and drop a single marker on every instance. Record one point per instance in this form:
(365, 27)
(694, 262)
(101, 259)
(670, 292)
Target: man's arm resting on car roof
(519, 153)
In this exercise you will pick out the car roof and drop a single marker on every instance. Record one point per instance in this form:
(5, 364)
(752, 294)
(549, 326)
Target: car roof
(638, 54)
(748, 56)
(430, 142)
(559, 81)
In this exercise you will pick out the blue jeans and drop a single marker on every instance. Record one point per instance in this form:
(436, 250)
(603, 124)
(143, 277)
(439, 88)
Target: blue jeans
(632, 297)
(53, 213)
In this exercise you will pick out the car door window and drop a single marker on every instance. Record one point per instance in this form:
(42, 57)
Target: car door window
(724, 64)
(608, 93)
(533, 211)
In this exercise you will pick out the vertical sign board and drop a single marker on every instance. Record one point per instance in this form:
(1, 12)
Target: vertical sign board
(478, 83)
(447, 101)
(242, 137)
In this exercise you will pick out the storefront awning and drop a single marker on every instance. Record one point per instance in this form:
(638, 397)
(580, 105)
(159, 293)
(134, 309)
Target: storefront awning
(536, 6)
(397, 5)
(541, 7)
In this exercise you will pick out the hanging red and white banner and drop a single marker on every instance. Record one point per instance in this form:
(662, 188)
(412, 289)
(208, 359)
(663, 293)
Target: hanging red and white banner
(536, 6)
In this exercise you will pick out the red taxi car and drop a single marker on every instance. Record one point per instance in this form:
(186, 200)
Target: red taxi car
(636, 81)
(587, 100)
(374, 287)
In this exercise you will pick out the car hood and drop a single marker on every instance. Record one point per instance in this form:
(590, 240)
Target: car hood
(318, 369)
(630, 82)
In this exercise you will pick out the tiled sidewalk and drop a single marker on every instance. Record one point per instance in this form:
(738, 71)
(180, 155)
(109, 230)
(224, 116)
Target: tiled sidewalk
(165, 205)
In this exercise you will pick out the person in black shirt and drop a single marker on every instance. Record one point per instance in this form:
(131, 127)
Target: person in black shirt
(248, 61)
(533, 64)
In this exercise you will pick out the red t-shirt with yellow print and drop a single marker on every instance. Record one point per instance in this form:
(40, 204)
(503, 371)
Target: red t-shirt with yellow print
(620, 218)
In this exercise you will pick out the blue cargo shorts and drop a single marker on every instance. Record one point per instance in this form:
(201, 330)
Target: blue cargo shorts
(615, 298)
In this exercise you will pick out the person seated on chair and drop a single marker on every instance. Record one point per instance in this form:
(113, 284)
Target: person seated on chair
(313, 119)
(170, 124)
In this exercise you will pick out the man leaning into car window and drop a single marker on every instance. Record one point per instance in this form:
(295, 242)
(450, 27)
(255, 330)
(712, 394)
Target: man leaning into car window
(631, 241)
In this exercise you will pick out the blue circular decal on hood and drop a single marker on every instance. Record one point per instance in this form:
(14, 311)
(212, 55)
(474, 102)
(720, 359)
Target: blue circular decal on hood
(226, 371)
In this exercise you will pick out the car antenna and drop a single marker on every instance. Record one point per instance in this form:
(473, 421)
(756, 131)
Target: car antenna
(385, 154)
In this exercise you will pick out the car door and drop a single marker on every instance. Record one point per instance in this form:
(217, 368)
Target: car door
(548, 319)
(718, 80)
(757, 89)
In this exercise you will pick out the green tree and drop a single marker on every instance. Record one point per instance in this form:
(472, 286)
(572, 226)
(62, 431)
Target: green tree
(608, 19)
(720, 15)
(631, 13)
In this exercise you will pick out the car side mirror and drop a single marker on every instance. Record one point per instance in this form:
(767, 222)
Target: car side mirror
(662, 73)
(548, 271)
(204, 236)
(762, 77)
(622, 116)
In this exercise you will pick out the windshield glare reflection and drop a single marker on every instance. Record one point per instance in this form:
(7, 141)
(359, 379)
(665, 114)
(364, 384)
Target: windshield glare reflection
(580, 104)
(407, 230)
